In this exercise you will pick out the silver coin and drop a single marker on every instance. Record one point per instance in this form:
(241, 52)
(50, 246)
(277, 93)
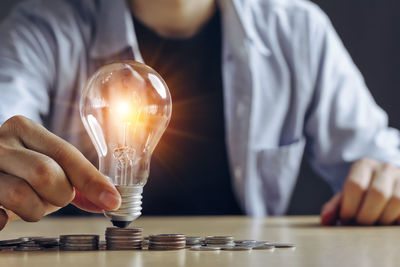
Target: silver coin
(237, 248)
(240, 242)
(219, 238)
(204, 248)
(193, 239)
(264, 247)
(282, 245)
(228, 245)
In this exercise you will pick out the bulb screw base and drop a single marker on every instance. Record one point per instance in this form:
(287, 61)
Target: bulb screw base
(131, 206)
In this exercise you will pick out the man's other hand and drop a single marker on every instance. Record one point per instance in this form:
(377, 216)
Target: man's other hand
(371, 194)
(40, 172)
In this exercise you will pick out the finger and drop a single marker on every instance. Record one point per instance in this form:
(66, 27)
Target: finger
(81, 173)
(45, 176)
(377, 195)
(3, 219)
(354, 188)
(83, 203)
(392, 210)
(330, 210)
(18, 196)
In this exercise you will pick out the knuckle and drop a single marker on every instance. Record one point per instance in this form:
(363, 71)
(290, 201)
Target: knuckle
(45, 173)
(16, 123)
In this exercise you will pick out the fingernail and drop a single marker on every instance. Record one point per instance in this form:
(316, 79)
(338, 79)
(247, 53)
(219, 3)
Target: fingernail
(110, 200)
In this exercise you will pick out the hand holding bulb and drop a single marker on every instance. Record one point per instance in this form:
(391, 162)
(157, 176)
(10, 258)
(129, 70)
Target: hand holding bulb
(40, 172)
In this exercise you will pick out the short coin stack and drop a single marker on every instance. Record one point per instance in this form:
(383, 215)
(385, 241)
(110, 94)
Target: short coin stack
(193, 241)
(30, 245)
(79, 242)
(123, 238)
(219, 241)
(167, 242)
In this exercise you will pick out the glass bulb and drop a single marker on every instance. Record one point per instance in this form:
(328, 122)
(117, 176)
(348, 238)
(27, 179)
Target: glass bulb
(126, 107)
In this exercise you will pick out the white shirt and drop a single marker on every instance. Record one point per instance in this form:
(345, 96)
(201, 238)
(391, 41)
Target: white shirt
(289, 87)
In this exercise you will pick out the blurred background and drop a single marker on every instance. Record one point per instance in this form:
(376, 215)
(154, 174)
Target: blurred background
(370, 31)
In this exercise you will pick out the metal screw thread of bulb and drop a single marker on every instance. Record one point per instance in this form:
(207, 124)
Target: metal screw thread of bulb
(131, 206)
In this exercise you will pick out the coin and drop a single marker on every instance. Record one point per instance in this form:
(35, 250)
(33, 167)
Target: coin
(123, 238)
(167, 241)
(283, 245)
(247, 242)
(204, 248)
(237, 248)
(79, 242)
(264, 247)
(48, 241)
(28, 249)
(11, 242)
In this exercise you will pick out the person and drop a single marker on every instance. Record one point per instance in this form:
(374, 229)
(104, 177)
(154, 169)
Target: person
(289, 87)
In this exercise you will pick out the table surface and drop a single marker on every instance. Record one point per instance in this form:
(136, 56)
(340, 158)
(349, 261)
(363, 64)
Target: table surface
(316, 245)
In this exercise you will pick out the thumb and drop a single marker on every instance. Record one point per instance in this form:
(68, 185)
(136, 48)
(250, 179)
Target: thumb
(330, 210)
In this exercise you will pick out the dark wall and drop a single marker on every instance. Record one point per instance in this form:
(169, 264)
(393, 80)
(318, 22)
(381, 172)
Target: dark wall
(370, 31)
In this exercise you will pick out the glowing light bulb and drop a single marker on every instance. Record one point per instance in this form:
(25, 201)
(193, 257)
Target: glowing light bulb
(125, 108)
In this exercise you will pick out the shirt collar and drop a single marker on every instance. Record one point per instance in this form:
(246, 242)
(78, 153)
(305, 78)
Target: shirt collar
(114, 31)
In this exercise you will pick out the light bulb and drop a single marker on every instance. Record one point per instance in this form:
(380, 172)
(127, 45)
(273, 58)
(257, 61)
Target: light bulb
(125, 107)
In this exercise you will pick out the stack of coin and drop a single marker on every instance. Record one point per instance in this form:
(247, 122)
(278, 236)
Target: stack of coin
(193, 241)
(167, 242)
(220, 241)
(11, 244)
(47, 242)
(123, 238)
(30, 245)
(79, 242)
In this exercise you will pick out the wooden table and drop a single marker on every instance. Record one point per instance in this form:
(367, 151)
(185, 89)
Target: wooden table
(316, 245)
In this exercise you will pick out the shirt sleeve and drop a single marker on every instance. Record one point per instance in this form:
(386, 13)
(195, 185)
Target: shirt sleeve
(27, 64)
(344, 123)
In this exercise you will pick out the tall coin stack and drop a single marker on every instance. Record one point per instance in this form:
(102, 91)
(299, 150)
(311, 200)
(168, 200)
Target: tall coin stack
(219, 241)
(167, 242)
(79, 242)
(123, 238)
